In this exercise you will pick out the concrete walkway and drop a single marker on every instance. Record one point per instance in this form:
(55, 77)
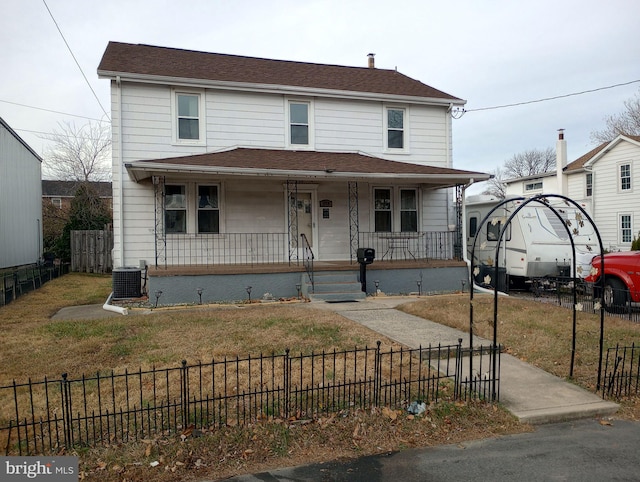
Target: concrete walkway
(531, 394)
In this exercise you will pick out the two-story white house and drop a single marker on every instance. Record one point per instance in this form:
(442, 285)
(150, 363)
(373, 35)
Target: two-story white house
(232, 175)
(604, 181)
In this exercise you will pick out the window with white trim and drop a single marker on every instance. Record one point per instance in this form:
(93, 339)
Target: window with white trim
(395, 127)
(208, 209)
(395, 209)
(382, 210)
(533, 186)
(589, 184)
(626, 230)
(300, 124)
(408, 210)
(57, 202)
(175, 208)
(189, 125)
(625, 177)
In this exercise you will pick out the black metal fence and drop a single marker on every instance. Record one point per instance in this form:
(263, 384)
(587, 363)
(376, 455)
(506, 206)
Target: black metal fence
(587, 298)
(42, 417)
(16, 282)
(621, 372)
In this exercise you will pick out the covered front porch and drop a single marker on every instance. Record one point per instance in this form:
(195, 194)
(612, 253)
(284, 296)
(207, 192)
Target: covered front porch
(267, 221)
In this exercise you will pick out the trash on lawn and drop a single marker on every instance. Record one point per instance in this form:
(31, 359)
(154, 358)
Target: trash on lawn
(417, 407)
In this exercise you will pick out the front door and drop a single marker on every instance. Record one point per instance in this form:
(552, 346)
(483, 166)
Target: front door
(305, 216)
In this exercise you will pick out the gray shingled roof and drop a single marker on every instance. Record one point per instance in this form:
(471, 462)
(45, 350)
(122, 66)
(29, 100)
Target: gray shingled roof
(247, 160)
(147, 60)
(69, 188)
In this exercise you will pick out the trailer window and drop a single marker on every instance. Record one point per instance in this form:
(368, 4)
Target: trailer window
(493, 231)
(473, 226)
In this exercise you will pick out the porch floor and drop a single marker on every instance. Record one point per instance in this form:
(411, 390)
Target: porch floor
(187, 270)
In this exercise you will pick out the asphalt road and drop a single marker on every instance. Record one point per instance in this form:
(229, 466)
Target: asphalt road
(583, 450)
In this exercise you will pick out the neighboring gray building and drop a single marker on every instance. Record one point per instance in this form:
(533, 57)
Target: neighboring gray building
(20, 200)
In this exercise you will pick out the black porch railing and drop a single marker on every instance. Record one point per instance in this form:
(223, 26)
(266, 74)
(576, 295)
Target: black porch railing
(43, 417)
(411, 245)
(223, 248)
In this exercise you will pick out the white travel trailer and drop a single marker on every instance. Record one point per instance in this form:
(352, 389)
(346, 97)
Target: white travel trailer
(536, 243)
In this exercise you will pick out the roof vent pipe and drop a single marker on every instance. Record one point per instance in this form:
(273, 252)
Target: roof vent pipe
(372, 61)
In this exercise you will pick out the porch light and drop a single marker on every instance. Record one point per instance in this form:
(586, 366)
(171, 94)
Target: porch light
(158, 295)
(298, 286)
(419, 283)
(199, 291)
(248, 289)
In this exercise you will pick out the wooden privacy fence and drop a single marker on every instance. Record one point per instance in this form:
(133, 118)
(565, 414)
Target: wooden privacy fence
(91, 251)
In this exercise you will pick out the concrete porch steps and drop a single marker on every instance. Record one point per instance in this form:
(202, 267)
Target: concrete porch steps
(333, 286)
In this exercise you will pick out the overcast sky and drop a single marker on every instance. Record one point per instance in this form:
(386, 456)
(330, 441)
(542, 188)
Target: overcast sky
(489, 53)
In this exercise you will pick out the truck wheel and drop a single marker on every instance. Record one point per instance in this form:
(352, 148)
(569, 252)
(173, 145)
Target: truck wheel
(616, 296)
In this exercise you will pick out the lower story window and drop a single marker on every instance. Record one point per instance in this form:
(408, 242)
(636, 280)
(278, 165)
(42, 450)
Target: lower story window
(626, 234)
(382, 210)
(408, 210)
(395, 210)
(208, 209)
(175, 208)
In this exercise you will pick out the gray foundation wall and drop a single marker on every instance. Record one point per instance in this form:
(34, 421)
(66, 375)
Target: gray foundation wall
(232, 288)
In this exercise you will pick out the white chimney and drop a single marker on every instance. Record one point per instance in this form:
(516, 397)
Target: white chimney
(561, 163)
(372, 62)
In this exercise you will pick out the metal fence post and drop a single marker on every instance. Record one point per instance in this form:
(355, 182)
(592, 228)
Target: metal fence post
(67, 427)
(184, 394)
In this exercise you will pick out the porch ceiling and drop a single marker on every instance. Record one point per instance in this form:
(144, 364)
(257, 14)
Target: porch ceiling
(289, 164)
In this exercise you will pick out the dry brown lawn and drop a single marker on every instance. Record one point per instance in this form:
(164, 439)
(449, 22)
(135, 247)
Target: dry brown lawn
(33, 345)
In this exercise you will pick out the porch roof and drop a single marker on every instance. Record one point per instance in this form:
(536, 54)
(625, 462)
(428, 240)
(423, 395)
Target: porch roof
(289, 164)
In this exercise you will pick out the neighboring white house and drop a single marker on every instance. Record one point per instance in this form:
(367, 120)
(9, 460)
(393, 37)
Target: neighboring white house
(222, 160)
(20, 201)
(604, 181)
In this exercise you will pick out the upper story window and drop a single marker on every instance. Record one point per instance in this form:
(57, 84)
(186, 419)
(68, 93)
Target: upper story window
(57, 202)
(175, 208)
(533, 186)
(395, 128)
(589, 184)
(208, 209)
(188, 117)
(625, 177)
(300, 124)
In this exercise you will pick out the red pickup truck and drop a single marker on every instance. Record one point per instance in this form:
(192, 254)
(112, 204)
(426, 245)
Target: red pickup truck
(621, 279)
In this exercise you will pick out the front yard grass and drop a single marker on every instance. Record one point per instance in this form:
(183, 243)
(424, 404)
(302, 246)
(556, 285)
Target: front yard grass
(33, 346)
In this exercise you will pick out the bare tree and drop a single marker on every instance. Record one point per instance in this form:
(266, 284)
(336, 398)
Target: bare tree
(496, 186)
(79, 153)
(530, 163)
(626, 122)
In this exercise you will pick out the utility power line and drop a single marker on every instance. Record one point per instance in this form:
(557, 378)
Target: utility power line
(552, 98)
(75, 60)
(53, 111)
